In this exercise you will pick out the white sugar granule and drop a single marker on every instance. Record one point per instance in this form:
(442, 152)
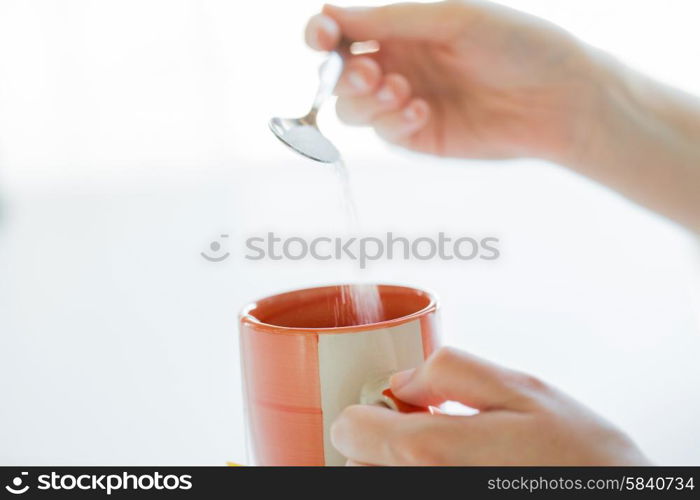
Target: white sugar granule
(310, 142)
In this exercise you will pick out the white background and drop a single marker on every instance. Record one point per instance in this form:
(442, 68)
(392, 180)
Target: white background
(133, 133)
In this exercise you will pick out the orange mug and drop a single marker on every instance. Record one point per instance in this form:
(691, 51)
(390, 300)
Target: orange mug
(302, 366)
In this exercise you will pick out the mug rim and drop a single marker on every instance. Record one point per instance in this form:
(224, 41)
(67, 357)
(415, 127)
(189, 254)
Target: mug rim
(245, 316)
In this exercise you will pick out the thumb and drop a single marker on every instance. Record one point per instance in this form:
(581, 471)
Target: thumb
(419, 21)
(452, 375)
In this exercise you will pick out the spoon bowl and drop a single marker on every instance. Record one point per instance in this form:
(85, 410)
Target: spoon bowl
(302, 134)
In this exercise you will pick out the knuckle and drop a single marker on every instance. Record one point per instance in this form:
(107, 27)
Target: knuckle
(396, 79)
(399, 84)
(442, 357)
(435, 367)
(531, 382)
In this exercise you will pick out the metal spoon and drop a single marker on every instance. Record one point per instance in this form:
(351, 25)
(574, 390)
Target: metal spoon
(302, 134)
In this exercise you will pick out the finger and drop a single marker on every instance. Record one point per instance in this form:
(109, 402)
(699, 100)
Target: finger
(392, 94)
(452, 375)
(375, 435)
(322, 32)
(432, 21)
(400, 125)
(360, 77)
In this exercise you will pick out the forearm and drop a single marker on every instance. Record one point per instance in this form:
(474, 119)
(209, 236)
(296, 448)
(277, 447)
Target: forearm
(644, 141)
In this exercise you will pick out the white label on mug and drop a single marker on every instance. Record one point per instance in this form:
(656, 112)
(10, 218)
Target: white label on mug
(348, 360)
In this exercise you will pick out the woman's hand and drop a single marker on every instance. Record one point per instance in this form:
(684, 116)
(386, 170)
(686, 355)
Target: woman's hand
(522, 421)
(473, 79)
(462, 79)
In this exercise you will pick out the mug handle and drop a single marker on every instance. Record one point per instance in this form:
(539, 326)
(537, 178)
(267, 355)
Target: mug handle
(378, 392)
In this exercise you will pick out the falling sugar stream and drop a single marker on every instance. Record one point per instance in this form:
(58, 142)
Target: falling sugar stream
(361, 301)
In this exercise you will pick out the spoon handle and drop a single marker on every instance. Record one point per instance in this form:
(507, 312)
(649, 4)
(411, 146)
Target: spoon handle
(329, 74)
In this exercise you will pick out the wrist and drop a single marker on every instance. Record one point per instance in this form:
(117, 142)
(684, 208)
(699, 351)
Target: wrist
(595, 110)
(637, 136)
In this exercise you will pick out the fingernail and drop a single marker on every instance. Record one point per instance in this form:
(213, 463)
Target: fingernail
(328, 26)
(400, 379)
(358, 80)
(385, 94)
(411, 113)
(347, 10)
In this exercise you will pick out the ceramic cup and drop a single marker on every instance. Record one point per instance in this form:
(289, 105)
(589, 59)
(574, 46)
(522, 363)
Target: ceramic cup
(302, 366)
